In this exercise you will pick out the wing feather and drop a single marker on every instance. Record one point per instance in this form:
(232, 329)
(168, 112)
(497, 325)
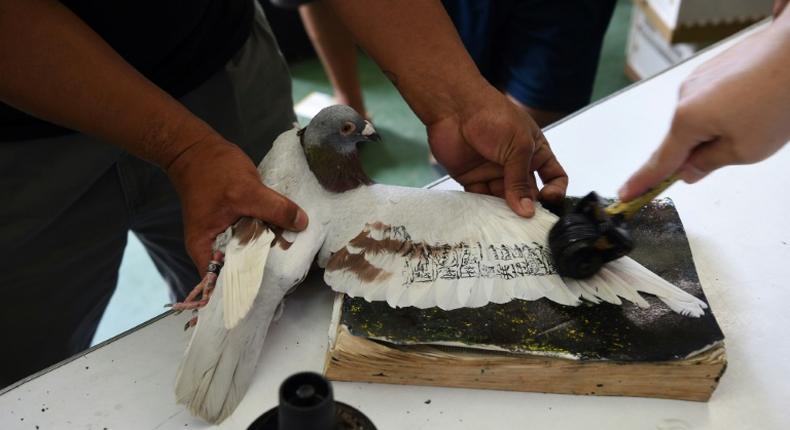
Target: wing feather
(470, 250)
(245, 261)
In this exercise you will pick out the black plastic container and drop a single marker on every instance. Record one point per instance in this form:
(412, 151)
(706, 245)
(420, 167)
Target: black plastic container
(307, 403)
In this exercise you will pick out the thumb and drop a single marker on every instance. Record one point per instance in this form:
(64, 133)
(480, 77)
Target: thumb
(276, 209)
(260, 202)
(520, 188)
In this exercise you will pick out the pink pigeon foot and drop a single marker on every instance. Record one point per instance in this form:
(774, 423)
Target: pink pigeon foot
(199, 296)
(191, 323)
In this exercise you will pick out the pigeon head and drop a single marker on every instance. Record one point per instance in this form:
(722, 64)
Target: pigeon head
(339, 128)
(330, 145)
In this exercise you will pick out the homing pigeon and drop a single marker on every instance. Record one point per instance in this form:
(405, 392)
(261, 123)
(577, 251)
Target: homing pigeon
(406, 246)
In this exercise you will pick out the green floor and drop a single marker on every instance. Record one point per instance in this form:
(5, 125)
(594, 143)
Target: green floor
(610, 77)
(401, 159)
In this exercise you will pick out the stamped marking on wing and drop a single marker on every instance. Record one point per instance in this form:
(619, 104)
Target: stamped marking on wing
(384, 263)
(423, 263)
(477, 260)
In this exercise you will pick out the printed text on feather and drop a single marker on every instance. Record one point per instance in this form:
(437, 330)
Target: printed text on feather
(424, 263)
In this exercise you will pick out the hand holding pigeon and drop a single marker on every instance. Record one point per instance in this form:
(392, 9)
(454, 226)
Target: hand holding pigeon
(493, 148)
(211, 202)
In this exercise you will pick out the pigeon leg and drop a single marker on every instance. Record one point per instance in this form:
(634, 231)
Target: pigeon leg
(204, 289)
(191, 323)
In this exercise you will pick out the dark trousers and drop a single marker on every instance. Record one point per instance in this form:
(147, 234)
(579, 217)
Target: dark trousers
(73, 200)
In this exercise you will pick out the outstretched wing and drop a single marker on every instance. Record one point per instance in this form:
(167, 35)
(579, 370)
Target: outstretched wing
(457, 249)
(245, 261)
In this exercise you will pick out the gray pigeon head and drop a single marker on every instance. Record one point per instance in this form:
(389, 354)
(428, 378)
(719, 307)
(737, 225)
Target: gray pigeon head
(339, 128)
(330, 147)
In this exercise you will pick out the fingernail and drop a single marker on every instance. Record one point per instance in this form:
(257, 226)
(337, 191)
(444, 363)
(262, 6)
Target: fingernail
(300, 221)
(527, 206)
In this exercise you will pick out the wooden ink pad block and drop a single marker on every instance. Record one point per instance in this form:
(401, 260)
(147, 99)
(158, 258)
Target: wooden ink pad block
(541, 346)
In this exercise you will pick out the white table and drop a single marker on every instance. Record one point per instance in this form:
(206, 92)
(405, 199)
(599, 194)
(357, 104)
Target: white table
(737, 223)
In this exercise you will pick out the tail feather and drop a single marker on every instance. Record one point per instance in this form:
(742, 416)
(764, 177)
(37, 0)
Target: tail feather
(219, 363)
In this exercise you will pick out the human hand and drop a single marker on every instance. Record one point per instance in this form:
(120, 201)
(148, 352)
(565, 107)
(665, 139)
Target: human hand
(734, 109)
(482, 140)
(217, 184)
(779, 6)
(491, 147)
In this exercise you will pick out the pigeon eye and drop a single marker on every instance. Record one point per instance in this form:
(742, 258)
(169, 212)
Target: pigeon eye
(348, 128)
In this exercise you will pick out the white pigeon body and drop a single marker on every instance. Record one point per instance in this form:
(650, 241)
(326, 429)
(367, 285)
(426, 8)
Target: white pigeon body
(408, 246)
(219, 362)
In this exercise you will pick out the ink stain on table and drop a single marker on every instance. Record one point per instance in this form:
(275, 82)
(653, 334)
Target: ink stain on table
(587, 332)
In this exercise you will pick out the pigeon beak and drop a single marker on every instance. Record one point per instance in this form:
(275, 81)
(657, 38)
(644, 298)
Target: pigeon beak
(370, 133)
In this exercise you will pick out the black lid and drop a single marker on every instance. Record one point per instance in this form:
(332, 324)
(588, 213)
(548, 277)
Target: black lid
(307, 403)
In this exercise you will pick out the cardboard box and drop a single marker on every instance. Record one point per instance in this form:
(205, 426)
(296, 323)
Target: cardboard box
(648, 53)
(698, 21)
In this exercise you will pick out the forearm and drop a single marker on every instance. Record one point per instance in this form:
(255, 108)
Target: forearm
(418, 48)
(53, 66)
